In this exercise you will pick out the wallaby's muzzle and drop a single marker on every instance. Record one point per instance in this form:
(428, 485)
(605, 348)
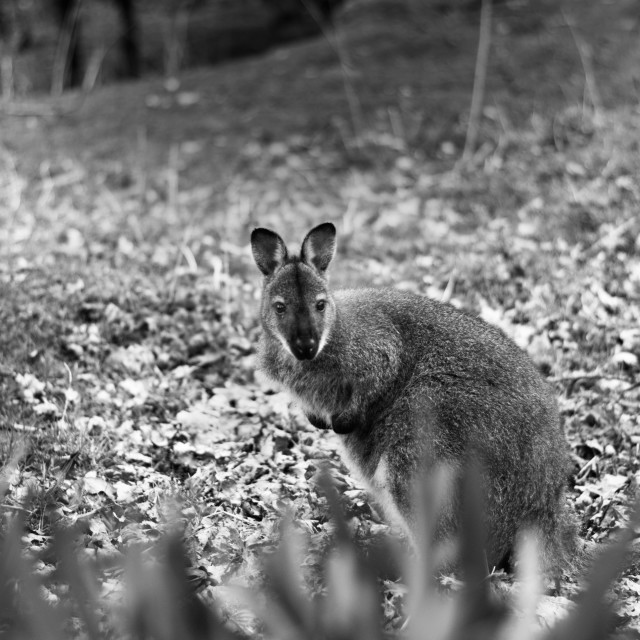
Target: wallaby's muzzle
(305, 348)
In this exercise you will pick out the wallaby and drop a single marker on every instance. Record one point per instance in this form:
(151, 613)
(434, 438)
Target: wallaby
(410, 383)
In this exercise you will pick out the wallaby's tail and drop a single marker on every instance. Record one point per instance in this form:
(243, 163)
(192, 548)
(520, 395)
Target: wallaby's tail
(581, 557)
(562, 550)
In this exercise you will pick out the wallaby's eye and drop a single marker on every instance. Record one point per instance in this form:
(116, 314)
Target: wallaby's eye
(280, 307)
(321, 304)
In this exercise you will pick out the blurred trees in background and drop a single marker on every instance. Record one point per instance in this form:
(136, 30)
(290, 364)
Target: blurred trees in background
(50, 45)
(58, 44)
(15, 35)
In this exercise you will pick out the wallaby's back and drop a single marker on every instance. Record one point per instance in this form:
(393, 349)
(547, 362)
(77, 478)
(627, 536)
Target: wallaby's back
(465, 390)
(411, 383)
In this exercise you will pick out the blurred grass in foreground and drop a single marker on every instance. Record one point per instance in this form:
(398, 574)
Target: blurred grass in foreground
(55, 594)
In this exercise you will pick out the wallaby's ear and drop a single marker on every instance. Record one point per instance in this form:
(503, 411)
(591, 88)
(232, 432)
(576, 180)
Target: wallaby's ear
(269, 250)
(319, 246)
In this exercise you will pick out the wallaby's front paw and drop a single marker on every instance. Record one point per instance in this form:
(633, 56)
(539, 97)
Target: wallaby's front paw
(344, 425)
(318, 422)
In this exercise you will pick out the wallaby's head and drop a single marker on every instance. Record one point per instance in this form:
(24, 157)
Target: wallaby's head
(297, 308)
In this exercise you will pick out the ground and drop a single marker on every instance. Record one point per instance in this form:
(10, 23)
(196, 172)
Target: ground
(128, 296)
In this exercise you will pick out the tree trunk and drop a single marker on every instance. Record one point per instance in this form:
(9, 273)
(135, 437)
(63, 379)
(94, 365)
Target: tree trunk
(130, 37)
(69, 64)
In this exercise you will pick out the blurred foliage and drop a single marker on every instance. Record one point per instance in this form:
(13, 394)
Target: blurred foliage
(59, 592)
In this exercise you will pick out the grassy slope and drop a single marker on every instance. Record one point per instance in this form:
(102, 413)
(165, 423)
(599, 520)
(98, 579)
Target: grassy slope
(536, 69)
(109, 260)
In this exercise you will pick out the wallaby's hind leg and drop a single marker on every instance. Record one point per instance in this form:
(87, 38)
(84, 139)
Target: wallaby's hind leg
(389, 485)
(420, 504)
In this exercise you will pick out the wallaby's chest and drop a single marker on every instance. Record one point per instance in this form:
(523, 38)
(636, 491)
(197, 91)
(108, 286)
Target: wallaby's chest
(323, 388)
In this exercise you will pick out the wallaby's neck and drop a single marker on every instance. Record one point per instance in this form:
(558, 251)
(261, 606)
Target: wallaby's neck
(317, 384)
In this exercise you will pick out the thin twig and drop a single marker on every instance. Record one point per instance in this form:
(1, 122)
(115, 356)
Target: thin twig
(90, 514)
(635, 385)
(14, 508)
(7, 75)
(629, 404)
(479, 81)
(584, 376)
(355, 109)
(584, 470)
(61, 60)
(93, 69)
(587, 67)
(575, 378)
(222, 511)
(67, 394)
(34, 109)
(448, 292)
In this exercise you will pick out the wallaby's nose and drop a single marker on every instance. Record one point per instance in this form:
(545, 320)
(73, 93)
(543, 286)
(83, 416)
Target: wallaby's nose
(305, 348)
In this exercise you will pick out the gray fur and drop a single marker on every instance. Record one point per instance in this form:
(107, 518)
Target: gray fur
(411, 383)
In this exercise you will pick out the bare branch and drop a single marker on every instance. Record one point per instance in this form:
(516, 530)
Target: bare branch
(479, 81)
